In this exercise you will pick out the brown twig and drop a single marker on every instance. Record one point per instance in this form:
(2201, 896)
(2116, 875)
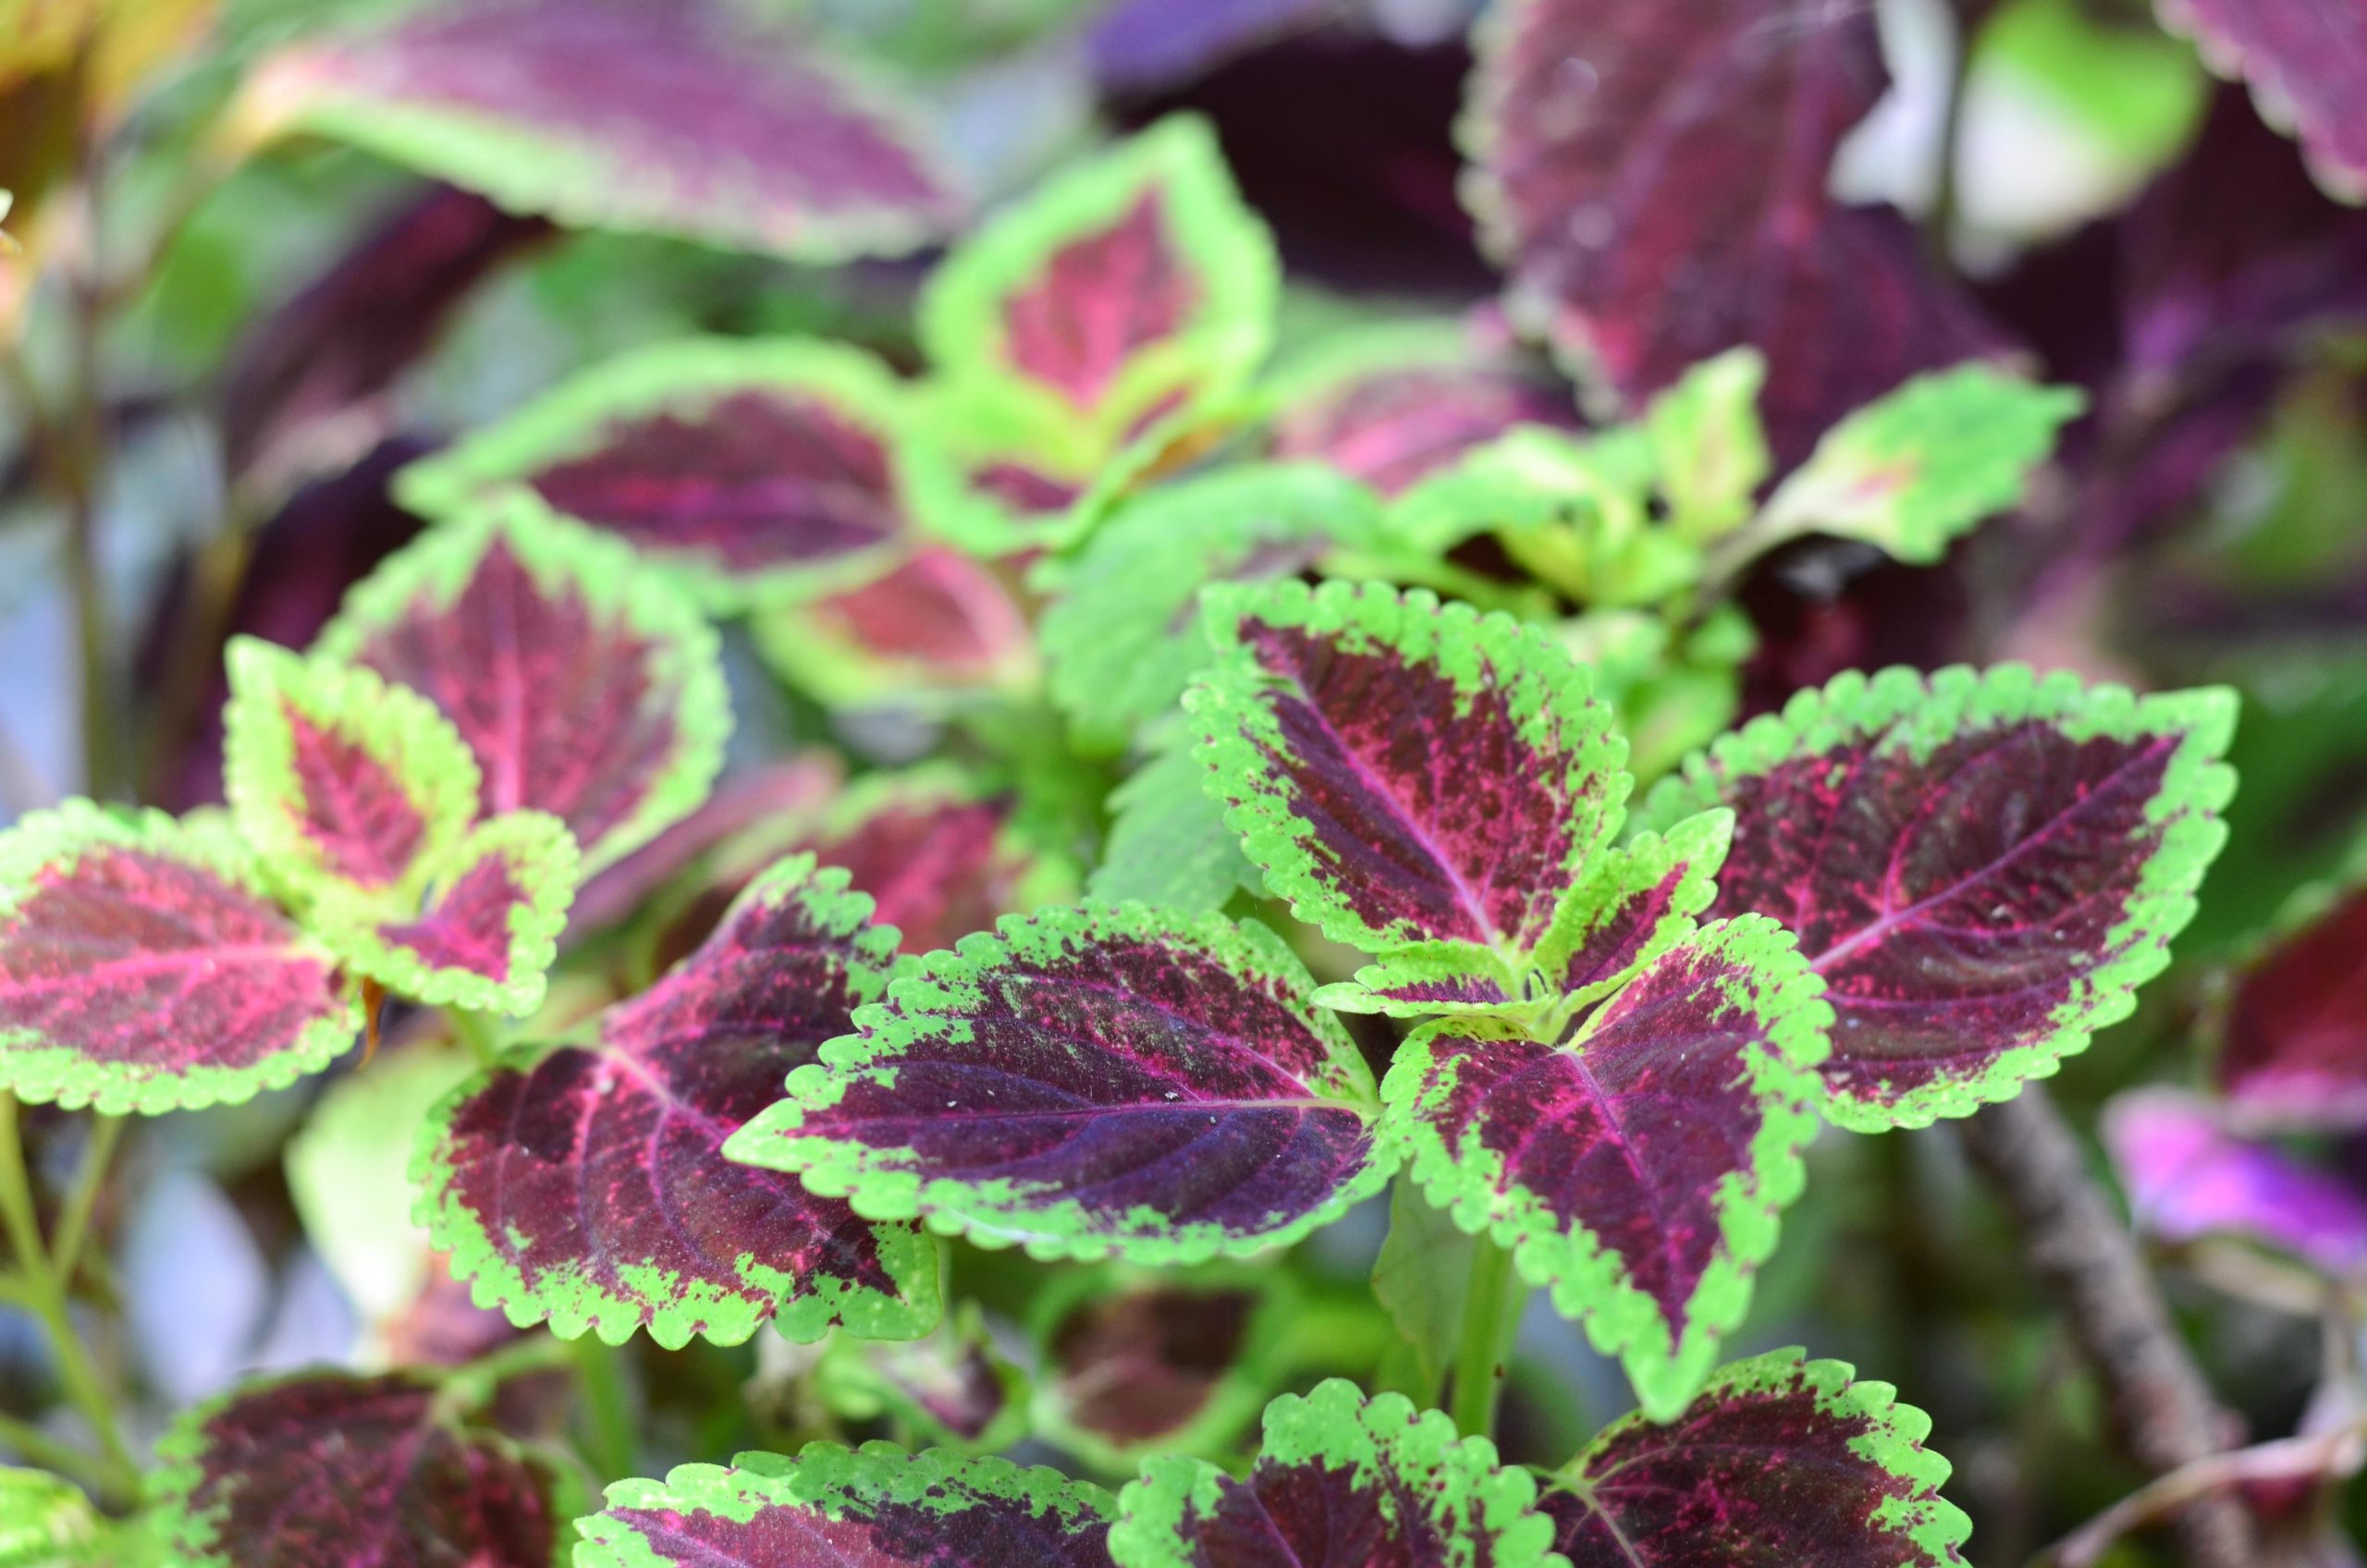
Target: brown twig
(2086, 1256)
(2327, 1455)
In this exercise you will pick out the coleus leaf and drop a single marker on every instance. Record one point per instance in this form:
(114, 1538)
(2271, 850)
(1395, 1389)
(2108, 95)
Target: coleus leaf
(2306, 61)
(487, 929)
(348, 788)
(1339, 1479)
(1130, 286)
(1709, 449)
(690, 118)
(1121, 641)
(1654, 180)
(1637, 1169)
(2189, 1175)
(1175, 1363)
(791, 787)
(745, 468)
(2293, 1043)
(1778, 1462)
(1983, 866)
(934, 625)
(953, 1387)
(586, 1183)
(583, 688)
(938, 860)
(830, 1506)
(1389, 405)
(1913, 471)
(1405, 772)
(1168, 844)
(45, 1521)
(324, 1470)
(144, 968)
(1092, 1082)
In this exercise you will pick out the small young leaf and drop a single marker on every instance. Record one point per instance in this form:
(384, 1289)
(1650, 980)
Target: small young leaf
(745, 468)
(324, 1470)
(1123, 638)
(584, 1184)
(2293, 1048)
(584, 689)
(1917, 470)
(1127, 286)
(345, 787)
(45, 1522)
(1708, 446)
(2306, 61)
(830, 1507)
(1091, 1082)
(143, 969)
(1405, 772)
(1389, 405)
(937, 861)
(1780, 1462)
(952, 1387)
(1983, 867)
(2189, 1175)
(690, 118)
(1137, 1365)
(1168, 844)
(487, 930)
(1637, 1170)
(935, 625)
(1340, 1479)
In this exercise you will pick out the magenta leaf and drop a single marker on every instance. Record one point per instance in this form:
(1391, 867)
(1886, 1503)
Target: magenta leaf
(936, 626)
(487, 929)
(583, 687)
(1654, 178)
(324, 1470)
(1090, 1082)
(142, 967)
(1780, 1462)
(585, 1184)
(830, 1508)
(348, 788)
(2293, 1049)
(2189, 1175)
(784, 788)
(938, 861)
(692, 117)
(1178, 1363)
(1983, 867)
(1405, 772)
(2306, 61)
(1340, 1479)
(1637, 1169)
(745, 468)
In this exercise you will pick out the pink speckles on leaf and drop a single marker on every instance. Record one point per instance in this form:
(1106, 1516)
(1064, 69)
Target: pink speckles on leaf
(351, 806)
(1102, 297)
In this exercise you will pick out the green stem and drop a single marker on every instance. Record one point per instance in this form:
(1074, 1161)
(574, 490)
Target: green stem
(38, 1447)
(610, 1444)
(74, 1228)
(1491, 1304)
(47, 1301)
(478, 1032)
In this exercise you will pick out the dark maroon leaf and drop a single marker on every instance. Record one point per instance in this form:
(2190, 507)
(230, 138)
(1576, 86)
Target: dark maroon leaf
(1152, 1367)
(328, 1470)
(2295, 1048)
(790, 788)
(2307, 63)
(938, 863)
(1654, 176)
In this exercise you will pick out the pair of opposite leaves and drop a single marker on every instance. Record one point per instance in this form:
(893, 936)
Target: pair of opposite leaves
(1779, 1460)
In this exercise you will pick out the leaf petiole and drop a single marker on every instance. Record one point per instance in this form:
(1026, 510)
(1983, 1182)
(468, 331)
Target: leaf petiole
(1492, 1309)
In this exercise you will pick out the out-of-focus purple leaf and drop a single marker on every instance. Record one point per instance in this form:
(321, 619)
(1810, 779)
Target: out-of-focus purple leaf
(2294, 1050)
(694, 118)
(2187, 1176)
(789, 787)
(1654, 178)
(1145, 44)
(2307, 63)
(305, 389)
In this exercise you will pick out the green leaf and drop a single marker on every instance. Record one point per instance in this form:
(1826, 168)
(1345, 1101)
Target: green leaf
(1709, 450)
(1337, 1467)
(1121, 638)
(952, 1388)
(1420, 1279)
(347, 787)
(1915, 470)
(1168, 845)
(45, 1522)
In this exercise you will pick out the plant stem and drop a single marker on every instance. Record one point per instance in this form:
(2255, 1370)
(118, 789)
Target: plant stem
(2085, 1255)
(33, 1444)
(608, 1408)
(477, 1031)
(74, 1227)
(1491, 1304)
(47, 1295)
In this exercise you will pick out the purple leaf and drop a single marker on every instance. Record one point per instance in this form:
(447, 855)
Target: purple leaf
(142, 968)
(1090, 1082)
(938, 623)
(584, 1184)
(323, 1470)
(785, 788)
(2294, 1047)
(2307, 63)
(1778, 1463)
(1171, 1366)
(1636, 1170)
(2188, 1176)
(1983, 867)
(1405, 772)
(829, 1508)
(582, 689)
(938, 862)
(1339, 1480)
(690, 117)
(743, 468)
(1654, 179)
